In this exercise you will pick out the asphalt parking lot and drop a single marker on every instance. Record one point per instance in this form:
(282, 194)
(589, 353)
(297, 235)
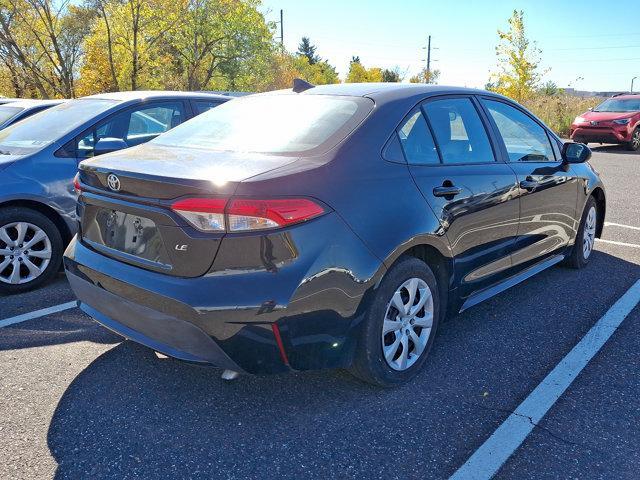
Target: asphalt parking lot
(78, 402)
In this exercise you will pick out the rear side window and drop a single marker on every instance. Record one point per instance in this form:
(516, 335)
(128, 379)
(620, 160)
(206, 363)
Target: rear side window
(205, 105)
(525, 139)
(417, 142)
(459, 131)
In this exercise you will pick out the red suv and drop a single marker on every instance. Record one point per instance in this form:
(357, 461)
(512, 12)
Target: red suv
(616, 120)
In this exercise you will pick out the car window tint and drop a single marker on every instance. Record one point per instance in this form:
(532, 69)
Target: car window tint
(205, 105)
(525, 139)
(135, 126)
(459, 131)
(277, 123)
(155, 120)
(417, 142)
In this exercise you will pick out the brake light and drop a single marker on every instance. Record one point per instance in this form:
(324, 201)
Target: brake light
(76, 183)
(245, 214)
(206, 214)
(249, 214)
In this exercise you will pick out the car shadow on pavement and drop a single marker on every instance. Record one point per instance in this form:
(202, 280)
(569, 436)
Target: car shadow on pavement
(131, 414)
(612, 148)
(63, 327)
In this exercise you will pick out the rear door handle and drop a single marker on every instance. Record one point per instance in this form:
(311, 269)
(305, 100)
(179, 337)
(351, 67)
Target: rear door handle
(446, 191)
(529, 184)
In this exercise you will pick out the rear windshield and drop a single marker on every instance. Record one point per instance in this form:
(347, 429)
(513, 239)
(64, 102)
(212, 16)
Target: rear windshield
(7, 112)
(278, 123)
(43, 128)
(619, 105)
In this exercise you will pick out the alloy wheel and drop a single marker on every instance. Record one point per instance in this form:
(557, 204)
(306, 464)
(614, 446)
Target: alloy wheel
(407, 324)
(25, 252)
(589, 235)
(635, 140)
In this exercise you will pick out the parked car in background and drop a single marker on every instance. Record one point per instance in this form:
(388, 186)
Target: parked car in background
(13, 112)
(616, 120)
(39, 157)
(329, 228)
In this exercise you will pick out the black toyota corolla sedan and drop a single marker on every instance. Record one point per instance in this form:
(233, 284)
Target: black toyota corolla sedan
(330, 227)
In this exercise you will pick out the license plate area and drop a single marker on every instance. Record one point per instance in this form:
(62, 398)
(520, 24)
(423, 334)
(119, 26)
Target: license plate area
(128, 233)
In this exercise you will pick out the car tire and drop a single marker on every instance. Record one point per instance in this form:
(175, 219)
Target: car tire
(585, 239)
(379, 358)
(37, 257)
(634, 144)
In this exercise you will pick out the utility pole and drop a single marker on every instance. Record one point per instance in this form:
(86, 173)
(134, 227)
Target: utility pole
(632, 80)
(429, 58)
(281, 29)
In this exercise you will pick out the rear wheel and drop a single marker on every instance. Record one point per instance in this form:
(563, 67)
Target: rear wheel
(634, 144)
(585, 239)
(30, 249)
(400, 325)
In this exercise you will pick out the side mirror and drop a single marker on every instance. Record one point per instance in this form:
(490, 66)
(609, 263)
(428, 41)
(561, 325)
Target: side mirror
(575, 152)
(108, 145)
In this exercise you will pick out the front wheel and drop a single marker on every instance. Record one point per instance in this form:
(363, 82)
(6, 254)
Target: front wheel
(585, 239)
(400, 325)
(30, 249)
(634, 144)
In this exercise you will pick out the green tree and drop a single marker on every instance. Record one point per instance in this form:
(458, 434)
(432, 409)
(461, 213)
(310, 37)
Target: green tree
(549, 89)
(518, 72)
(308, 50)
(391, 75)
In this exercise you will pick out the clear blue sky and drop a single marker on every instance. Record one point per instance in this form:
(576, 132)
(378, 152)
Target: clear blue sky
(596, 40)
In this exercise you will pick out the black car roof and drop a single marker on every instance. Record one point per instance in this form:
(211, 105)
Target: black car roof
(380, 92)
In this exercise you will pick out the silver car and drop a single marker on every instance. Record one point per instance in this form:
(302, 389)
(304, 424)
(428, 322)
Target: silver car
(13, 112)
(39, 157)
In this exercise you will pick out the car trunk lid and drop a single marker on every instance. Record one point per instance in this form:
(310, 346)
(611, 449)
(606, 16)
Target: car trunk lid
(125, 205)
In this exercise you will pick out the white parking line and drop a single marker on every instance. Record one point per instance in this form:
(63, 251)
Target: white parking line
(611, 224)
(622, 244)
(38, 313)
(487, 460)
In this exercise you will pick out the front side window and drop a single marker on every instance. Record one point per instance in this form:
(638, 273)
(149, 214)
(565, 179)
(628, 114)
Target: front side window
(459, 131)
(284, 124)
(134, 126)
(525, 139)
(417, 142)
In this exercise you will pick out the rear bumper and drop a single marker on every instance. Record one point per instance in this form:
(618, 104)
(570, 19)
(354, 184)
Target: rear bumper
(315, 298)
(152, 328)
(601, 135)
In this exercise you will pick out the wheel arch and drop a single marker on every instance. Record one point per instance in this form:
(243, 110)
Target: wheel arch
(438, 258)
(47, 211)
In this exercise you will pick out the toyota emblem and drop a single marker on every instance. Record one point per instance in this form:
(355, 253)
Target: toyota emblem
(113, 182)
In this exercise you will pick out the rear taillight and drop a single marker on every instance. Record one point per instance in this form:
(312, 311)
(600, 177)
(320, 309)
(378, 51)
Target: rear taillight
(206, 214)
(245, 214)
(76, 183)
(250, 214)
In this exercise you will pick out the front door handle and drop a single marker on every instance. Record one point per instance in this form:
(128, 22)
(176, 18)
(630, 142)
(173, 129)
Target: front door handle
(529, 184)
(448, 191)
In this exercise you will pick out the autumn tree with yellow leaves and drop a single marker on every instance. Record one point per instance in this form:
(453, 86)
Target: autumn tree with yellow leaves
(518, 73)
